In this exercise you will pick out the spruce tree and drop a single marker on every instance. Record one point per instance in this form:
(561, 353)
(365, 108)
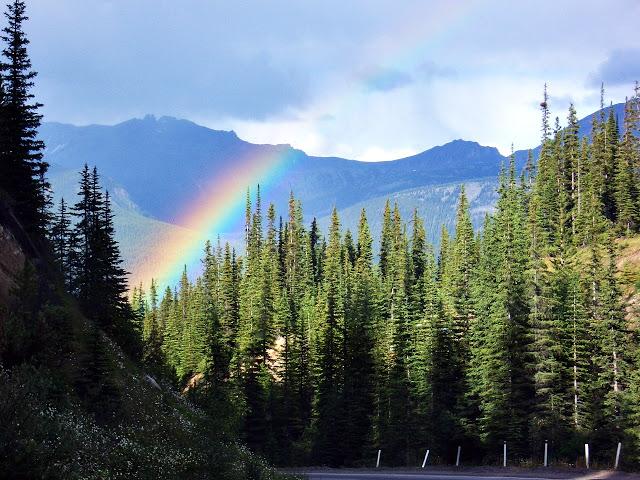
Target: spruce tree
(500, 357)
(456, 281)
(627, 159)
(330, 368)
(61, 241)
(611, 357)
(22, 169)
(359, 362)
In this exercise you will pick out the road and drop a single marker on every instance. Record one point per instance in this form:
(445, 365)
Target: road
(364, 475)
(382, 475)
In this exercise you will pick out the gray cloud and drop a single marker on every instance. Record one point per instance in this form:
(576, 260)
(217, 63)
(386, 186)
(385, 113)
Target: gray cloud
(289, 69)
(622, 67)
(106, 61)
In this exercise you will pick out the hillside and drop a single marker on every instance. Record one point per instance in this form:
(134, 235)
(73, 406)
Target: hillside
(435, 204)
(72, 403)
(629, 274)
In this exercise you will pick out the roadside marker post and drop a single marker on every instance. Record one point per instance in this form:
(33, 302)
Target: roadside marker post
(586, 455)
(458, 456)
(424, 462)
(618, 456)
(504, 454)
(378, 461)
(546, 453)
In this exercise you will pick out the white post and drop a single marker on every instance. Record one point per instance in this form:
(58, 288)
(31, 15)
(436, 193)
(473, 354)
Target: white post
(424, 462)
(618, 455)
(546, 452)
(378, 461)
(458, 456)
(586, 455)
(504, 454)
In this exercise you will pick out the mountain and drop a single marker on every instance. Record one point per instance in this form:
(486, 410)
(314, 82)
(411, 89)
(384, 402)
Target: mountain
(156, 167)
(436, 205)
(163, 163)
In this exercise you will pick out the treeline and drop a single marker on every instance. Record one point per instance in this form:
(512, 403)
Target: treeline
(517, 333)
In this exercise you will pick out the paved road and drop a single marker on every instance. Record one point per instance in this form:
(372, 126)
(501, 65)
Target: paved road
(396, 476)
(378, 475)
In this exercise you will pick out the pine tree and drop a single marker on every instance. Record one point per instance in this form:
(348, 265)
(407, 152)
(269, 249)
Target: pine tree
(82, 210)
(168, 320)
(419, 254)
(97, 277)
(396, 434)
(328, 402)
(570, 169)
(152, 355)
(427, 350)
(546, 290)
(502, 384)
(545, 191)
(230, 306)
(359, 362)
(610, 148)
(217, 355)
(385, 239)
(589, 220)
(315, 252)
(610, 358)
(22, 169)
(626, 161)
(456, 287)
(61, 241)
(444, 252)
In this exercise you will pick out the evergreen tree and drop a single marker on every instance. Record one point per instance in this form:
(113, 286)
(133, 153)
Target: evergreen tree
(457, 278)
(386, 239)
(152, 355)
(503, 385)
(359, 362)
(328, 402)
(61, 241)
(610, 357)
(22, 169)
(627, 159)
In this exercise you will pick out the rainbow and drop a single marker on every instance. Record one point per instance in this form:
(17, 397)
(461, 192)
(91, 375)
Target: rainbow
(216, 210)
(220, 206)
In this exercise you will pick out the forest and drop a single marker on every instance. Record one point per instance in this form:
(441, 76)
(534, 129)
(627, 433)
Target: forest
(314, 348)
(324, 351)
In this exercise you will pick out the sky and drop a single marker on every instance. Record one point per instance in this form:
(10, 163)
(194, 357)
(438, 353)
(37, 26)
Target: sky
(363, 79)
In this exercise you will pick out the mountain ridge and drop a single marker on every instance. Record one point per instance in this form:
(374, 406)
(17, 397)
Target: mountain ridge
(191, 154)
(157, 166)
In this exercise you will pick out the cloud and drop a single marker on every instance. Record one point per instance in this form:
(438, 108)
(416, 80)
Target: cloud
(385, 80)
(622, 67)
(388, 79)
(363, 79)
(430, 70)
